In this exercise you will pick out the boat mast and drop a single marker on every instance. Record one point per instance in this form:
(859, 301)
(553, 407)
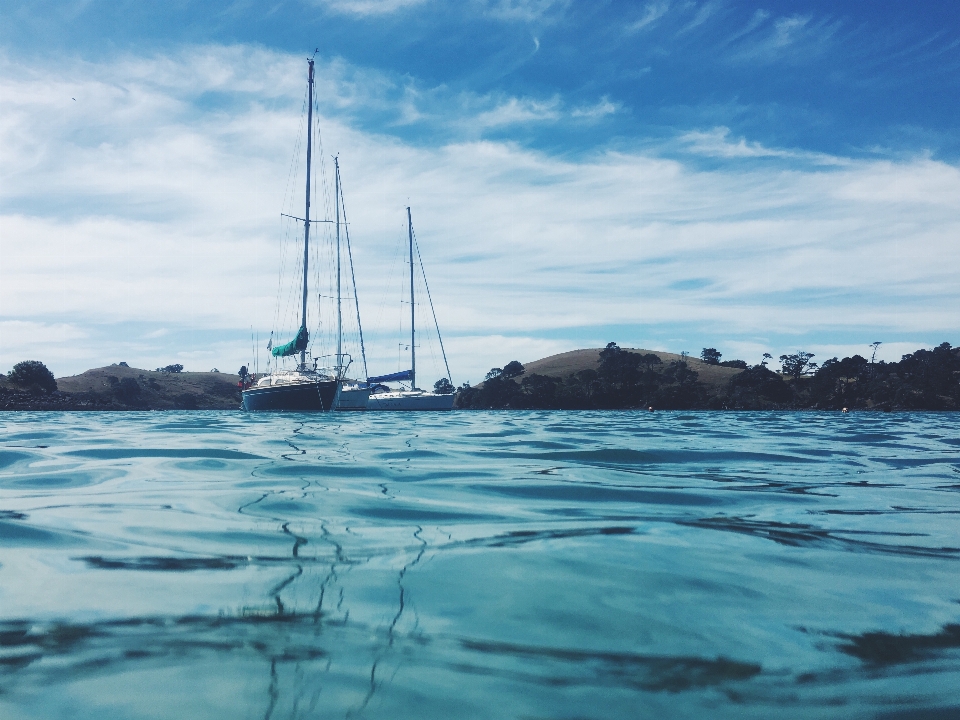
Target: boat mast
(353, 281)
(336, 162)
(413, 332)
(306, 215)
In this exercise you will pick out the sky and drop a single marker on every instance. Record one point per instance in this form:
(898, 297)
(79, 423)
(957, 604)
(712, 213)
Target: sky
(669, 175)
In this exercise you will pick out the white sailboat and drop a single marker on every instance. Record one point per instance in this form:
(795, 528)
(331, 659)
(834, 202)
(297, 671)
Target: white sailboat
(305, 388)
(412, 398)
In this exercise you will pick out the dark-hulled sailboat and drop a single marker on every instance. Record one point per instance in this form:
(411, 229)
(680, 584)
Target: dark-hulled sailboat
(304, 389)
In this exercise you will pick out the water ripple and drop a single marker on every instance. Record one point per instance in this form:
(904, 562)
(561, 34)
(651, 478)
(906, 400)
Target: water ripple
(475, 565)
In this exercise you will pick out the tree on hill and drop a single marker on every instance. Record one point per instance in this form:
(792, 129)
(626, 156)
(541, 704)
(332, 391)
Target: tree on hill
(797, 364)
(512, 369)
(171, 368)
(710, 356)
(443, 387)
(34, 375)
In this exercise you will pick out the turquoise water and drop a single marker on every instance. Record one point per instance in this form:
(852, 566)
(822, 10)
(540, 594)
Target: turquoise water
(479, 565)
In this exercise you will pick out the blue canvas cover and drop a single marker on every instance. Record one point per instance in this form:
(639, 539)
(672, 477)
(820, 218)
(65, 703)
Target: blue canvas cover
(298, 344)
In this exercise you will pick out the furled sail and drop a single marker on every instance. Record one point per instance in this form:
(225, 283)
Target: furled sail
(395, 377)
(297, 345)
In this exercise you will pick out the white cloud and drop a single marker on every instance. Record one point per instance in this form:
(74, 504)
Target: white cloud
(143, 204)
(518, 110)
(593, 112)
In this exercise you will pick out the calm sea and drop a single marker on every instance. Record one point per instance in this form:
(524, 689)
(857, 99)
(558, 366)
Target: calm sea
(479, 565)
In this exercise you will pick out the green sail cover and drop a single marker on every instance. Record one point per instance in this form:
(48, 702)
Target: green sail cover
(298, 344)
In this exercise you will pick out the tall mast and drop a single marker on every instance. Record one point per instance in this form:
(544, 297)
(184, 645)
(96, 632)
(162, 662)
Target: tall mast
(413, 331)
(306, 214)
(336, 162)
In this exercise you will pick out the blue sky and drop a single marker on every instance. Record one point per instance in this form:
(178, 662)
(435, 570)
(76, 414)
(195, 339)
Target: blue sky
(670, 175)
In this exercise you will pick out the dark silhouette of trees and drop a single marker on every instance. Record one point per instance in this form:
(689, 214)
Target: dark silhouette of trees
(172, 368)
(443, 387)
(512, 369)
(33, 375)
(758, 388)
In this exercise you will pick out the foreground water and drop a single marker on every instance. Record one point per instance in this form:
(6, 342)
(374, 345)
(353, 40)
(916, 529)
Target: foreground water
(479, 565)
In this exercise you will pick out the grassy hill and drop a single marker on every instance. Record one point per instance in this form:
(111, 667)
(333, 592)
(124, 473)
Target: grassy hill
(565, 364)
(119, 387)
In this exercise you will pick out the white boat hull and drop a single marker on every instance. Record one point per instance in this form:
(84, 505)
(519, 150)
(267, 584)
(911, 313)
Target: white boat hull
(409, 400)
(353, 398)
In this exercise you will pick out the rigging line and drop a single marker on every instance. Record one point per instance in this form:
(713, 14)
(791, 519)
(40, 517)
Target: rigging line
(283, 298)
(353, 280)
(291, 172)
(436, 324)
(294, 217)
(320, 188)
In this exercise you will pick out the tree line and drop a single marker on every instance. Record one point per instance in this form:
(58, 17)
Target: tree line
(923, 380)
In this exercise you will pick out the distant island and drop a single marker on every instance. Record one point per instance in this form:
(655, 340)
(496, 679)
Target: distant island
(610, 378)
(615, 378)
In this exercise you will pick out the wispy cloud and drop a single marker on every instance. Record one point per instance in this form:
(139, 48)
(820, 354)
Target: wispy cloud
(704, 13)
(594, 112)
(368, 7)
(759, 17)
(524, 10)
(797, 38)
(519, 110)
(651, 13)
(718, 144)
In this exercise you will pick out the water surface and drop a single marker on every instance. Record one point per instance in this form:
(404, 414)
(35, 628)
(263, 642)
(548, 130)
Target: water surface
(479, 565)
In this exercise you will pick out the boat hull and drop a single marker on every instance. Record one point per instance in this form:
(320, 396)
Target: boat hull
(409, 401)
(353, 398)
(319, 396)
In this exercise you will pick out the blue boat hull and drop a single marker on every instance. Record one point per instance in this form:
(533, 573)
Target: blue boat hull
(298, 397)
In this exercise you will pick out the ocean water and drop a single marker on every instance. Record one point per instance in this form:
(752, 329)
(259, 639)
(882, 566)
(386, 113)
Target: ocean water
(479, 565)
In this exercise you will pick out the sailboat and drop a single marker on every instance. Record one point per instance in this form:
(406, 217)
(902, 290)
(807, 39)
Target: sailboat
(414, 398)
(353, 393)
(305, 388)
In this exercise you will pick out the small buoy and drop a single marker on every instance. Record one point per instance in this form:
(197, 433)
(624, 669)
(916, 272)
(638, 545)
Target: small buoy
(650, 409)
(845, 410)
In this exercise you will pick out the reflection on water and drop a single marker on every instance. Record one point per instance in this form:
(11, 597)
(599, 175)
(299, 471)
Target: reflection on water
(574, 565)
